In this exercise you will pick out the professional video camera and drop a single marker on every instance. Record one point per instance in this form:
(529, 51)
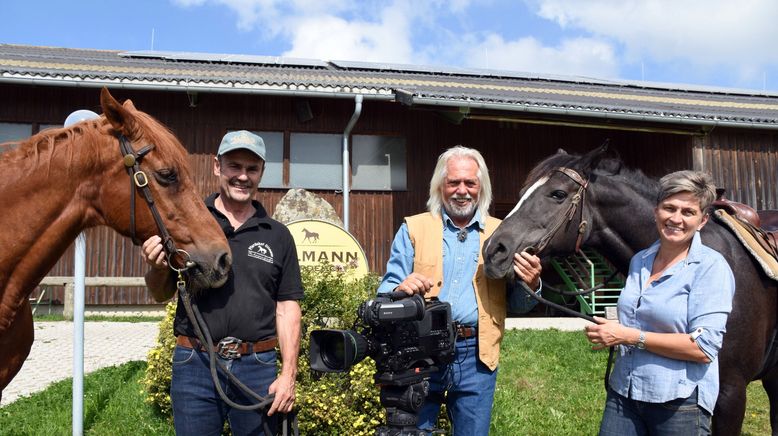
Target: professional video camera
(408, 338)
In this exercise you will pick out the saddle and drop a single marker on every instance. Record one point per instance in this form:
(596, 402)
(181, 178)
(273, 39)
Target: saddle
(746, 224)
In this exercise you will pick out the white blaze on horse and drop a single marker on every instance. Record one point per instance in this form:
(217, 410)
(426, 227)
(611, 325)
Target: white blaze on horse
(62, 181)
(610, 208)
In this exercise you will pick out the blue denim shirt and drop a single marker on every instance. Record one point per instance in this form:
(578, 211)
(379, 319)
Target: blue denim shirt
(694, 293)
(460, 261)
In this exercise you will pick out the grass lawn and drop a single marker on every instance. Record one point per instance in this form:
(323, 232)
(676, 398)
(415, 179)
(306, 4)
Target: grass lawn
(550, 383)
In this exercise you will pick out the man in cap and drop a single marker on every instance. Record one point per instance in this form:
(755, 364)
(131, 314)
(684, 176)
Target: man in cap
(257, 308)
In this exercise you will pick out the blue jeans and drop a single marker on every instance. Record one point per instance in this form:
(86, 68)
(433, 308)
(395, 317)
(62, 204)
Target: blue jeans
(682, 416)
(197, 407)
(469, 387)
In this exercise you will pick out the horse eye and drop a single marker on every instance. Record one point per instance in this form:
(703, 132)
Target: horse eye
(166, 176)
(559, 195)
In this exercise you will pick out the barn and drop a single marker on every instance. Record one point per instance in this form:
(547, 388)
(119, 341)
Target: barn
(393, 121)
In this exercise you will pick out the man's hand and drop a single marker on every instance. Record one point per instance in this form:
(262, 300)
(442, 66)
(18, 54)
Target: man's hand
(527, 268)
(415, 283)
(283, 388)
(153, 252)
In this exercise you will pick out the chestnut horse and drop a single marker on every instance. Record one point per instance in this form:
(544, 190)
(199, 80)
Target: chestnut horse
(617, 205)
(62, 181)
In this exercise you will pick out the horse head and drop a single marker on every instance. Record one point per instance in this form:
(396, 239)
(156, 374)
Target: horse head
(551, 217)
(164, 165)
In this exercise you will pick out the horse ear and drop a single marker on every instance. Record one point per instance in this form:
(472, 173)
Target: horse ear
(591, 159)
(128, 105)
(120, 117)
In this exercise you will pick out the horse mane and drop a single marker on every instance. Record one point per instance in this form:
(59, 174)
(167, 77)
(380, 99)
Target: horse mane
(612, 167)
(35, 153)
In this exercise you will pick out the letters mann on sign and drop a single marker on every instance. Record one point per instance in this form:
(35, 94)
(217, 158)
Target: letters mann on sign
(320, 241)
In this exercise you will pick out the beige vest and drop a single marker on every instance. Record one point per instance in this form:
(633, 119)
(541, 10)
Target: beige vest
(426, 234)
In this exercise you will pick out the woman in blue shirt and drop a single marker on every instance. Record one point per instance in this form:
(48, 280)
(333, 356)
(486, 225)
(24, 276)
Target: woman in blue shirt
(672, 316)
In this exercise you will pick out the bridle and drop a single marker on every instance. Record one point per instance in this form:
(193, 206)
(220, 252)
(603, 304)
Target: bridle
(139, 181)
(579, 198)
(180, 261)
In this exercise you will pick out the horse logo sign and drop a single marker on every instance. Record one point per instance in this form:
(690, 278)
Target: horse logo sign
(320, 241)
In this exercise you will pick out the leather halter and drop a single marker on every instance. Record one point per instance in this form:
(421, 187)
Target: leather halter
(139, 181)
(578, 198)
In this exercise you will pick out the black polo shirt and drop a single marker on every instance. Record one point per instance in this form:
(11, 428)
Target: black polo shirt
(264, 270)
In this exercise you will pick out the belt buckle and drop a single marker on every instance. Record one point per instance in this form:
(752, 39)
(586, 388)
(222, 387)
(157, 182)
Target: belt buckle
(228, 348)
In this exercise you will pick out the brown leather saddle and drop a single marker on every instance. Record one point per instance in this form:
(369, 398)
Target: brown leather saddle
(762, 225)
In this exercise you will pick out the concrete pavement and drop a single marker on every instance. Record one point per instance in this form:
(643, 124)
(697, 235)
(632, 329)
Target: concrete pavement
(105, 344)
(115, 343)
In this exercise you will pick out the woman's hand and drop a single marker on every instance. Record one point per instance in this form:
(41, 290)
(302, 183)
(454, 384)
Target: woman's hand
(607, 333)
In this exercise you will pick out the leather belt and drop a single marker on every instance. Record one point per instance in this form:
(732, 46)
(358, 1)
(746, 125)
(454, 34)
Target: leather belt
(466, 331)
(229, 347)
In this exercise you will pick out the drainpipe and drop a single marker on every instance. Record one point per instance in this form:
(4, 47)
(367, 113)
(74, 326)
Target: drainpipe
(346, 167)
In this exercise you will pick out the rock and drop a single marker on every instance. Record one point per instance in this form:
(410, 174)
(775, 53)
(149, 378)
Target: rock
(299, 204)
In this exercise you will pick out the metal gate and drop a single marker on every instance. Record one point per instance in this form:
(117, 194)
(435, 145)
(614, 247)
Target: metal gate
(587, 269)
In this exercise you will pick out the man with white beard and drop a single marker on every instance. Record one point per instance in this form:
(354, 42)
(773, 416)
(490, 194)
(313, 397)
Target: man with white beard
(438, 254)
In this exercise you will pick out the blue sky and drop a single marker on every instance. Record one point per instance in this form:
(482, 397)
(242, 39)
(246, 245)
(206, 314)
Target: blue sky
(720, 43)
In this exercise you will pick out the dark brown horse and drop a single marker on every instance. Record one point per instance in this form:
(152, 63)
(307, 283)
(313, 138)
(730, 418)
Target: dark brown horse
(617, 206)
(61, 181)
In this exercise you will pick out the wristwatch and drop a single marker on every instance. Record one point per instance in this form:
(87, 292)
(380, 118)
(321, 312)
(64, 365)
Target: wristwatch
(641, 341)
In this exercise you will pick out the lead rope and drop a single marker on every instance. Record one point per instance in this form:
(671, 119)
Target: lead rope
(569, 311)
(204, 336)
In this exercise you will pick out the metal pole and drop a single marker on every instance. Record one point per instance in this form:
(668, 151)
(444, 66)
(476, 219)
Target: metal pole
(346, 166)
(78, 336)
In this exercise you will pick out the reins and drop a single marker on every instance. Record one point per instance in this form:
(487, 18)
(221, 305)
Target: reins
(139, 181)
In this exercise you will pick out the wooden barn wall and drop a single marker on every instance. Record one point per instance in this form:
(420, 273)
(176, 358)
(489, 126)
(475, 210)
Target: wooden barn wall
(510, 150)
(742, 162)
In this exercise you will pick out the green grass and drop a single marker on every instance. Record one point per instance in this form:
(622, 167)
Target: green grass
(117, 318)
(113, 405)
(549, 383)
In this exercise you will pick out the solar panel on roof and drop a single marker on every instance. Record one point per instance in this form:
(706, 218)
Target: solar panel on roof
(224, 58)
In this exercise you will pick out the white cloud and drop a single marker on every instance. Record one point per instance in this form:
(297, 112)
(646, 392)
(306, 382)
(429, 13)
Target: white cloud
(703, 33)
(579, 56)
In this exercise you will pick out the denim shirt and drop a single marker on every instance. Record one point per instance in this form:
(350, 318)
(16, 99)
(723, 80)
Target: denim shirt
(460, 261)
(694, 293)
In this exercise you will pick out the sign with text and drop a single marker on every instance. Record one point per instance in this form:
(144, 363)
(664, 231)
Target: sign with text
(321, 241)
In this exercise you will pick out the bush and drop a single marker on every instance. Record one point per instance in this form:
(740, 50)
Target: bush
(332, 404)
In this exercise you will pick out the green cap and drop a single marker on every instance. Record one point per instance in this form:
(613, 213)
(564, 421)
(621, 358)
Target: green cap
(242, 139)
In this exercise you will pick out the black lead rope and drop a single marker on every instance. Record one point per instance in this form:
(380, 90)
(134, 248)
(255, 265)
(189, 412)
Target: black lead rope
(569, 311)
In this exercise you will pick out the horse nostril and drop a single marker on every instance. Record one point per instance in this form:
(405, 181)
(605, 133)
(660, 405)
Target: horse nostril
(225, 261)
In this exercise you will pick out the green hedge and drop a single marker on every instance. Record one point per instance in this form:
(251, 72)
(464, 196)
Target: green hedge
(333, 404)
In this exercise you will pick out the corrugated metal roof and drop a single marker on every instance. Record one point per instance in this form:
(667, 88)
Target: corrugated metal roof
(420, 85)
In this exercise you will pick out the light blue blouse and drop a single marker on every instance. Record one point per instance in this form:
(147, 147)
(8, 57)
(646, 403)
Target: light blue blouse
(694, 293)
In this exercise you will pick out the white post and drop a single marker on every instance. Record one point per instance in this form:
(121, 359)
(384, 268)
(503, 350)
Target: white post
(78, 335)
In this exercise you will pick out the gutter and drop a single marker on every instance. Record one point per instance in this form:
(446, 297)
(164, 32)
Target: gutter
(346, 166)
(506, 107)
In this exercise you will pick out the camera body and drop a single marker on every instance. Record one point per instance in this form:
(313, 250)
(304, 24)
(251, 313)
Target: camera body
(405, 335)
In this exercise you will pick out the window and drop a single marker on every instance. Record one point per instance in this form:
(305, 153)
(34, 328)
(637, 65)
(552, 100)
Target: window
(14, 131)
(378, 163)
(273, 177)
(315, 161)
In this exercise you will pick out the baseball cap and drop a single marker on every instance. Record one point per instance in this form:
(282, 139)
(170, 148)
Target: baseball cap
(242, 139)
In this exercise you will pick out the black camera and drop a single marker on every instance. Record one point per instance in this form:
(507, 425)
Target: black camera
(409, 339)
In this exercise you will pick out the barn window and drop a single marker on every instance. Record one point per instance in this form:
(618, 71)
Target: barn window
(14, 131)
(315, 161)
(274, 159)
(378, 163)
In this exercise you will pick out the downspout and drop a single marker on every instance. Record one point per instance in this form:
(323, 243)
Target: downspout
(346, 167)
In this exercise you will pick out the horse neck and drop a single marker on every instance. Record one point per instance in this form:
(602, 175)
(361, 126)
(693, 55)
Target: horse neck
(622, 219)
(46, 204)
